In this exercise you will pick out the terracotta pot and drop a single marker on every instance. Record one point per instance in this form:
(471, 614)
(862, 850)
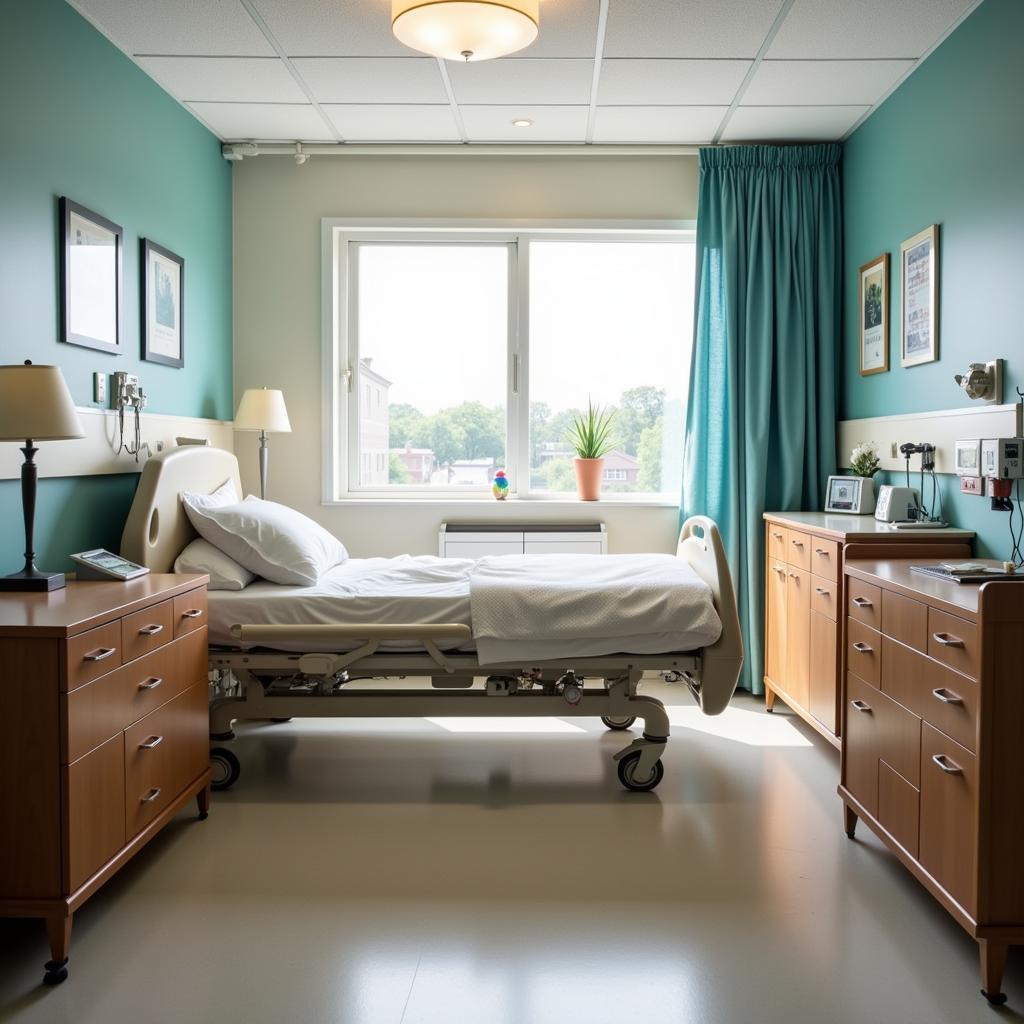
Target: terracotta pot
(588, 478)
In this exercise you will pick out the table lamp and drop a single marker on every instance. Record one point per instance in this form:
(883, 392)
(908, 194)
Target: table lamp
(263, 410)
(35, 405)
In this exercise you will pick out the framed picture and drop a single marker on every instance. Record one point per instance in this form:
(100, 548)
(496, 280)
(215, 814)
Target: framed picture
(874, 316)
(90, 278)
(920, 297)
(163, 305)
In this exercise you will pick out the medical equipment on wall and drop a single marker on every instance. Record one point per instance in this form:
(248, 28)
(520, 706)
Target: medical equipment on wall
(983, 381)
(895, 504)
(128, 395)
(923, 517)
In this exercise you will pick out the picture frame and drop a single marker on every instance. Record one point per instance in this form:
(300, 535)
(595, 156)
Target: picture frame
(163, 305)
(873, 305)
(91, 278)
(919, 296)
(850, 495)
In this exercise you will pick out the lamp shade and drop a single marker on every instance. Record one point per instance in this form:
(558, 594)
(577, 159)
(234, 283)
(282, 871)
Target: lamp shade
(263, 409)
(465, 29)
(35, 404)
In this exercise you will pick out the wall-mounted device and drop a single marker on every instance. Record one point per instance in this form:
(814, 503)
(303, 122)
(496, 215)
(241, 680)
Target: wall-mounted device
(896, 504)
(128, 394)
(983, 381)
(1002, 458)
(854, 495)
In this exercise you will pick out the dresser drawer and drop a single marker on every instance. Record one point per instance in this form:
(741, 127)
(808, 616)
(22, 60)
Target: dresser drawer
(798, 549)
(94, 806)
(899, 807)
(775, 541)
(863, 651)
(145, 631)
(905, 620)
(899, 738)
(864, 602)
(93, 653)
(190, 612)
(860, 742)
(946, 699)
(953, 641)
(163, 753)
(823, 597)
(825, 558)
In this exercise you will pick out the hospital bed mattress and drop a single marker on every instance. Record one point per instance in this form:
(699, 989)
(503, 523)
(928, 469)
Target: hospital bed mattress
(424, 589)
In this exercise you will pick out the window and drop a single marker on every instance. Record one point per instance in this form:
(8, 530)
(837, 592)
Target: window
(462, 352)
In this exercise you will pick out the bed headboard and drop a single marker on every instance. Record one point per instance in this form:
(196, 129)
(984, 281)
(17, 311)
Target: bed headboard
(157, 529)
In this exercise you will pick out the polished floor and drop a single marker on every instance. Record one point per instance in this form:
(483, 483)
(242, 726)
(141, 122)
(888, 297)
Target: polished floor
(495, 873)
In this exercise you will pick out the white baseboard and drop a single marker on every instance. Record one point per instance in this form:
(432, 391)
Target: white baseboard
(96, 453)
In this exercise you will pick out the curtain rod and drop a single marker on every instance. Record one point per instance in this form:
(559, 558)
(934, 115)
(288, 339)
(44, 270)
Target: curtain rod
(301, 152)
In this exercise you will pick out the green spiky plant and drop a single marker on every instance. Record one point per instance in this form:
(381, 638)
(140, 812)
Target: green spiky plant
(591, 432)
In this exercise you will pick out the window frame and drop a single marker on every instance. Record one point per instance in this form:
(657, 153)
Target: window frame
(340, 241)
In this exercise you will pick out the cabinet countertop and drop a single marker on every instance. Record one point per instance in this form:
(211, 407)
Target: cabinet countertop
(848, 528)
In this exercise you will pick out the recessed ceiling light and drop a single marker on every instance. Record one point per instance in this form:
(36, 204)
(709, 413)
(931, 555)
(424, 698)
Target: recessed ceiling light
(522, 122)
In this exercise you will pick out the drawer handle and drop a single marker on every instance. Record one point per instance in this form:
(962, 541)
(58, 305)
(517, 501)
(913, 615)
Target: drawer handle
(777, 536)
(821, 551)
(151, 683)
(151, 630)
(862, 648)
(100, 654)
(947, 640)
(153, 741)
(192, 613)
(150, 796)
(862, 602)
(797, 543)
(859, 705)
(821, 590)
(949, 767)
(947, 696)
(794, 576)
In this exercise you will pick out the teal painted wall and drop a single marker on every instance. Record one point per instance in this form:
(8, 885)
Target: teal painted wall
(80, 119)
(946, 148)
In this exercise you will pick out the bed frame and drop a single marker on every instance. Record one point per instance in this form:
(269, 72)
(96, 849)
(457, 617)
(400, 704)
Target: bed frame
(263, 683)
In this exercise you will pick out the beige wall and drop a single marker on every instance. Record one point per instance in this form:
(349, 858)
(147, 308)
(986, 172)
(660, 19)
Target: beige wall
(278, 208)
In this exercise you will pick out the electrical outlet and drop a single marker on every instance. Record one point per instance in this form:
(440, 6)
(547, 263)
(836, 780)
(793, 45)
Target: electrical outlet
(894, 450)
(99, 388)
(971, 485)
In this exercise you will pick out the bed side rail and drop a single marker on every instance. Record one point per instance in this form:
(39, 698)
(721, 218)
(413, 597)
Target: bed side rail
(700, 545)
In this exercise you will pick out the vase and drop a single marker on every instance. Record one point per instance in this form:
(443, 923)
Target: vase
(588, 478)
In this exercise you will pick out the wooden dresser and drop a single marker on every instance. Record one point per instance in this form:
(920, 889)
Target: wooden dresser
(933, 721)
(804, 598)
(103, 703)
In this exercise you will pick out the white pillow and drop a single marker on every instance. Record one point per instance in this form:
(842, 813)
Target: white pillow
(271, 540)
(224, 572)
(223, 495)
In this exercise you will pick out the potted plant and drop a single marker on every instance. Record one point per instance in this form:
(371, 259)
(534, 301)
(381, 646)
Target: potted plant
(864, 459)
(591, 436)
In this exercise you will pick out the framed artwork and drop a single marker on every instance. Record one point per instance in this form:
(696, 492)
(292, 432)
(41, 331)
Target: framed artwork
(90, 278)
(920, 297)
(163, 305)
(874, 316)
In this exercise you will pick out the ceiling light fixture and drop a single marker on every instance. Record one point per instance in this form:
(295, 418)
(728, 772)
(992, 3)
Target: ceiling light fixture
(465, 29)
(522, 122)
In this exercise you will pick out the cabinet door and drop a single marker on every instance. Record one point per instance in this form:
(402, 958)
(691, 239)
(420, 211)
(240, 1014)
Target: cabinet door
(95, 810)
(483, 548)
(798, 635)
(561, 547)
(775, 619)
(860, 743)
(823, 671)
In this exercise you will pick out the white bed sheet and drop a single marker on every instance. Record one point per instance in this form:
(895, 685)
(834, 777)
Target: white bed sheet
(424, 588)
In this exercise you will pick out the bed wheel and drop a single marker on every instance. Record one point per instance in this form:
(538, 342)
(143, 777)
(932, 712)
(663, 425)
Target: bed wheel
(618, 722)
(226, 768)
(627, 769)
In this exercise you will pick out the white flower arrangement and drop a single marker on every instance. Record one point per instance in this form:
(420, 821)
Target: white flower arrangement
(864, 459)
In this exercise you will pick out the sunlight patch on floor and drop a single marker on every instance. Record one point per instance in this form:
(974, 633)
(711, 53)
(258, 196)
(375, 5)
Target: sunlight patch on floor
(753, 728)
(506, 725)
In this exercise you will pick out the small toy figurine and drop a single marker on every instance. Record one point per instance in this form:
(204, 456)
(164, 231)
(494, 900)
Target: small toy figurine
(499, 488)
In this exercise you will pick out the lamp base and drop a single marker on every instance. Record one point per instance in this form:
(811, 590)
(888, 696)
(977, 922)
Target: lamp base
(34, 581)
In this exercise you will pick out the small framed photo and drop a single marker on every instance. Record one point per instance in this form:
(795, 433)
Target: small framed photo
(874, 316)
(919, 257)
(90, 278)
(163, 305)
(854, 495)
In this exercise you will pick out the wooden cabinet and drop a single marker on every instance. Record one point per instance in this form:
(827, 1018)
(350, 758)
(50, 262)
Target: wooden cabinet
(805, 602)
(103, 695)
(933, 724)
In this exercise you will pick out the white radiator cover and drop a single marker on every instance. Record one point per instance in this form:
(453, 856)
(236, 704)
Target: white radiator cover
(475, 540)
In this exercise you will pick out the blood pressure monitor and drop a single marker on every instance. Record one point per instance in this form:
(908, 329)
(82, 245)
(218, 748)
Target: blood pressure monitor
(104, 565)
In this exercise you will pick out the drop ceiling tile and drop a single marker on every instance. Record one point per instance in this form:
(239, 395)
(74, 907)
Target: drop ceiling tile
(791, 124)
(657, 125)
(867, 28)
(667, 81)
(550, 124)
(178, 26)
(688, 28)
(332, 28)
(394, 122)
(373, 79)
(264, 122)
(568, 28)
(229, 79)
(522, 81)
(778, 82)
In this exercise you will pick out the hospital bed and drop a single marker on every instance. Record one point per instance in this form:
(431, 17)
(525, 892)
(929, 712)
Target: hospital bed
(296, 667)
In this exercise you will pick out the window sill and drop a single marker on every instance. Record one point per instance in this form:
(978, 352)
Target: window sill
(520, 504)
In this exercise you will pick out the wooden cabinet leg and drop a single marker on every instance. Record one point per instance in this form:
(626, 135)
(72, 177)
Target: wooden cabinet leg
(769, 699)
(58, 934)
(203, 801)
(993, 960)
(849, 820)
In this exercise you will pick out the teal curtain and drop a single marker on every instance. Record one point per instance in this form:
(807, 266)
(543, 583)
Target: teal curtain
(761, 419)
